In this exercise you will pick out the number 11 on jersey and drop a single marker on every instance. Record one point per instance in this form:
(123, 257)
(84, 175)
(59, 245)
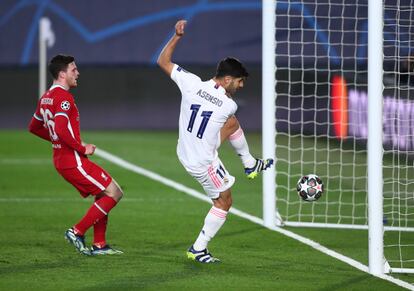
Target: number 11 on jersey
(204, 114)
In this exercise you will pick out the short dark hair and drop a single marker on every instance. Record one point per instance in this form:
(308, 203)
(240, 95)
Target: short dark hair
(59, 63)
(231, 67)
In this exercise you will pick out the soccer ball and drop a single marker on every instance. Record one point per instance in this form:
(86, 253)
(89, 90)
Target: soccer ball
(310, 187)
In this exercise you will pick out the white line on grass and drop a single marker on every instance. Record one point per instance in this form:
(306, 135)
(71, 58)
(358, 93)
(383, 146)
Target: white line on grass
(76, 199)
(154, 176)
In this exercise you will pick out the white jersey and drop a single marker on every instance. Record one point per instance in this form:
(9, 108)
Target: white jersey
(204, 109)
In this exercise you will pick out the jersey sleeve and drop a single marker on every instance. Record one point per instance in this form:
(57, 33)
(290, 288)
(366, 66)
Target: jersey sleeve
(184, 80)
(233, 108)
(63, 127)
(37, 126)
(37, 115)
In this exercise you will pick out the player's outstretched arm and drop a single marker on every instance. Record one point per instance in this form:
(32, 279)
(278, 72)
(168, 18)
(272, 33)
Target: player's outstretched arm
(164, 59)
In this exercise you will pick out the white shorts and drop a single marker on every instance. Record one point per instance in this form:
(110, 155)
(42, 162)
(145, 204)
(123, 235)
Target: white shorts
(214, 179)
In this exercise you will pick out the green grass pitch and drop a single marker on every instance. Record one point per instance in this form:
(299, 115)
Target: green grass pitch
(154, 225)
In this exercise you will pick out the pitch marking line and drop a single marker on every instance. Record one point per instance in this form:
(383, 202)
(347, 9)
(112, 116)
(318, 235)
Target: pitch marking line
(156, 177)
(77, 200)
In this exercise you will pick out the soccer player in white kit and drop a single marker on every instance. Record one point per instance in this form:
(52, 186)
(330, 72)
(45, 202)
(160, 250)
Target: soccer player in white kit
(207, 119)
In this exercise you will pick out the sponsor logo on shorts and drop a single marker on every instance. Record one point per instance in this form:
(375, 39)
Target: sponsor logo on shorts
(104, 176)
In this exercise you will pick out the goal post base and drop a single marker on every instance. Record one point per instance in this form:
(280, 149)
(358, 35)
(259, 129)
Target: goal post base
(278, 219)
(400, 270)
(343, 226)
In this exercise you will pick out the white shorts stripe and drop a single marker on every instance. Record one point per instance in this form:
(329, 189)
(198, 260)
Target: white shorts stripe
(96, 183)
(78, 160)
(212, 182)
(213, 177)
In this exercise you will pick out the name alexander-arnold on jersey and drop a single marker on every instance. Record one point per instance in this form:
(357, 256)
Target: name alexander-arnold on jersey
(210, 98)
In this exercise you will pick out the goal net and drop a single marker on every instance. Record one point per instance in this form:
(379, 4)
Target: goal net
(398, 136)
(321, 58)
(322, 117)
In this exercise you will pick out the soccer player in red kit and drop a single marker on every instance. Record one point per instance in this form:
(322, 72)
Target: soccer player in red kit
(57, 120)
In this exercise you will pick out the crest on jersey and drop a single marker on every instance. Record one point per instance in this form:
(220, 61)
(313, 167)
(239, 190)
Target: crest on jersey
(65, 105)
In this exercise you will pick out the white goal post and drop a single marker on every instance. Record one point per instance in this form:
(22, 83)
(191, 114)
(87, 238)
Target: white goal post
(46, 39)
(321, 61)
(375, 88)
(268, 110)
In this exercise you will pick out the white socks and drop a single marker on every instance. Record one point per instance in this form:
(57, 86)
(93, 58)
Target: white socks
(239, 143)
(212, 223)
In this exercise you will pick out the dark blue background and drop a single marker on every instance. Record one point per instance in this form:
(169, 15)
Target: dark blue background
(328, 33)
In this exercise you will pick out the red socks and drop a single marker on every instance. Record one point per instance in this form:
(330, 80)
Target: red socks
(99, 231)
(96, 212)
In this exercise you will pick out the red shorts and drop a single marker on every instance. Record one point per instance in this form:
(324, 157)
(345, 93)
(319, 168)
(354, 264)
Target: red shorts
(89, 179)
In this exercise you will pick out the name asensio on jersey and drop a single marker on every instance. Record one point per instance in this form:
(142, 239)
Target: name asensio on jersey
(210, 98)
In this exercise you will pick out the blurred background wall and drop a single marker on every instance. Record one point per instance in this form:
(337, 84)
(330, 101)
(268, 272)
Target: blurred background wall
(116, 44)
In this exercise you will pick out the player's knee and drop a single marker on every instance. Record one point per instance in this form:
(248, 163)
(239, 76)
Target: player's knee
(227, 207)
(114, 191)
(119, 193)
(229, 203)
(225, 204)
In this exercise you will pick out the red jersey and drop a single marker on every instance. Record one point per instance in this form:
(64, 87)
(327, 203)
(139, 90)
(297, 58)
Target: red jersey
(57, 114)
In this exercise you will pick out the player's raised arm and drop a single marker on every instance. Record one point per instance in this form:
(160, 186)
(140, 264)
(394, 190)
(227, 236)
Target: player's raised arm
(164, 59)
